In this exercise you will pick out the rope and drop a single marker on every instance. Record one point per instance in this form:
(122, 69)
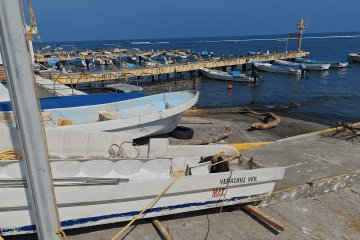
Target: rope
(33, 24)
(61, 234)
(146, 208)
(9, 155)
(120, 152)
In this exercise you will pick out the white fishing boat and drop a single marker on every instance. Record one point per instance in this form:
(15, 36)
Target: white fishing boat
(93, 189)
(355, 57)
(144, 116)
(313, 66)
(99, 61)
(308, 66)
(225, 76)
(267, 67)
(332, 64)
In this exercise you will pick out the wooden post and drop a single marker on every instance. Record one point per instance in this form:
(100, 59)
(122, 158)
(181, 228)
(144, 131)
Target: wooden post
(165, 233)
(301, 27)
(243, 67)
(264, 217)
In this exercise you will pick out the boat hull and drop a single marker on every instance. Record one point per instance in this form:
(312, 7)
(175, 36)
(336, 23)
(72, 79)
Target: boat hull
(308, 66)
(227, 77)
(141, 116)
(278, 70)
(354, 57)
(106, 201)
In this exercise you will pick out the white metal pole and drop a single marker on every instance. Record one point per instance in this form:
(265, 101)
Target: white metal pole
(28, 119)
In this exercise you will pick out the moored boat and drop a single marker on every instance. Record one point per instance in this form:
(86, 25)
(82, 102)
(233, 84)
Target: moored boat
(267, 67)
(225, 76)
(355, 57)
(332, 64)
(312, 65)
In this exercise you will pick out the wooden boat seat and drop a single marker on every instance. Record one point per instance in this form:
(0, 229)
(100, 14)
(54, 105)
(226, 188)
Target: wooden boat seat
(8, 117)
(104, 116)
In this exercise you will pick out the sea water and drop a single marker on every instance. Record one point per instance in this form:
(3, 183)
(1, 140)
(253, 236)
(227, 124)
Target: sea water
(325, 97)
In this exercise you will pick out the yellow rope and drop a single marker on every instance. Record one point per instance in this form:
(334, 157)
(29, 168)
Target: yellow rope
(146, 208)
(227, 159)
(10, 155)
(61, 234)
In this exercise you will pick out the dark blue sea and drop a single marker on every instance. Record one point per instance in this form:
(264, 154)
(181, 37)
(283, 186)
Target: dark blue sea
(325, 97)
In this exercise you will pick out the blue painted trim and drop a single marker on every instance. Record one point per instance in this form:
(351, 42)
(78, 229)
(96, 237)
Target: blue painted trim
(78, 100)
(69, 223)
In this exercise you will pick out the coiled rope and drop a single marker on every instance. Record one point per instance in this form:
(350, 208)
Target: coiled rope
(118, 151)
(10, 155)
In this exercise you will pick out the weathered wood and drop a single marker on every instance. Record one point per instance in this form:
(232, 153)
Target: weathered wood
(264, 217)
(264, 126)
(8, 117)
(165, 233)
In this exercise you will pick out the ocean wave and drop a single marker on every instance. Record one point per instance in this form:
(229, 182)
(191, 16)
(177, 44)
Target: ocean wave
(109, 44)
(67, 45)
(244, 40)
(277, 39)
(335, 36)
(138, 43)
(143, 43)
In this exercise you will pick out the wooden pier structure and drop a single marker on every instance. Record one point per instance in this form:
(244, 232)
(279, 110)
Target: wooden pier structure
(88, 77)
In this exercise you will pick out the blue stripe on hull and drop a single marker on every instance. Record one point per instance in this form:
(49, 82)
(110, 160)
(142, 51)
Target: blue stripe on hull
(77, 101)
(80, 221)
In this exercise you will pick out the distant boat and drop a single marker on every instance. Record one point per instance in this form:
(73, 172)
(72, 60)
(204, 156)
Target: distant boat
(77, 100)
(125, 88)
(45, 47)
(355, 57)
(332, 64)
(80, 62)
(308, 66)
(267, 67)
(225, 76)
(312, 65)
(99, 61)
(144, 116)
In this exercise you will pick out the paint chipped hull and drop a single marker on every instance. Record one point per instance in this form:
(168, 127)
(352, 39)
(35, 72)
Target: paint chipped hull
(104, 200)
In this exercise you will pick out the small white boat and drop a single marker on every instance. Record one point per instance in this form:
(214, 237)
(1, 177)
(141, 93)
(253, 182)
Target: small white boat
(144, 116)
(267, 67)
(313, 66)
(105, 61)
(225, 76)
(308, 66)
(99, 61)
(93, 189)
(355, 57)
(332, 64)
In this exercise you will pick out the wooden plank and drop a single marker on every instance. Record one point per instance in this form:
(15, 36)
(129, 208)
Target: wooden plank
(264, 217)
(165, 233)
(9, 116)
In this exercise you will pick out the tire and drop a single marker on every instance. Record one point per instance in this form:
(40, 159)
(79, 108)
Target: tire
(181, 132)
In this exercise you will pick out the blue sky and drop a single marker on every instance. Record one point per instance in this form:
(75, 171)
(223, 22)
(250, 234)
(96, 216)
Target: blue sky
(63, 20)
